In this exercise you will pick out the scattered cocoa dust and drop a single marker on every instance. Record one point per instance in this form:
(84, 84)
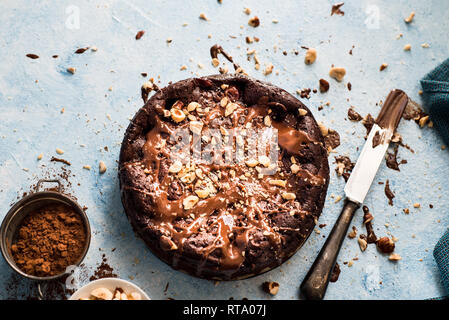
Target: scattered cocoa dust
(104, 270)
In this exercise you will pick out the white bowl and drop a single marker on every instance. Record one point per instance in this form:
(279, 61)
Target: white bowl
(108, 283)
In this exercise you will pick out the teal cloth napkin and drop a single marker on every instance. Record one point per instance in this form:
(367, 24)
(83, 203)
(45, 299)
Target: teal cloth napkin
(435, 87)
(441, 254)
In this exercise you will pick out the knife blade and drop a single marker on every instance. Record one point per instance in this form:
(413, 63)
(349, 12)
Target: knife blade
(376, 145)
(315, 283)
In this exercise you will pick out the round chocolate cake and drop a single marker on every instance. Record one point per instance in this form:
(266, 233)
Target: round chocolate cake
(231, 213)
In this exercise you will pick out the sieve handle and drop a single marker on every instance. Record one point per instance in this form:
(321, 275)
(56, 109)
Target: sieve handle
(40, 182)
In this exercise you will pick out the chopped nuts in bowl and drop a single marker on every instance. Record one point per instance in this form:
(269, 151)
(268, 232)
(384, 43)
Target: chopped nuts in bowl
(110, 289)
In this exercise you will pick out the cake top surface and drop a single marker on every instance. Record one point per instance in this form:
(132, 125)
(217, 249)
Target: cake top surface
(219, 165)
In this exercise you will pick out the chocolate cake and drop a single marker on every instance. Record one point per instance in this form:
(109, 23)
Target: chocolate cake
(221, 220)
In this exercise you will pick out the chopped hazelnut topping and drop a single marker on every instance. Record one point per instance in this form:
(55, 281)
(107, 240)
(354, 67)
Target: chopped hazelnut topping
(302, 112)
(337, 73)
(252, 163)
(199, 173)
(310, 56)
(202, 193)
(102, 167)
(175, 167)
(215, 62)
(196, 127)
(167, 113)
(362, 243)
(294, 168)
(410, 17)
(324, 130)
(353, 233)
(267, 121)
(264, 160)
(423, 121)
(279, 183)
(394, 257)
(254, 22)
(192, 106)
(224, 102)
(189, 202)
(223, 131)
(288, 196)
(230, 108)
(177, 115)
(268, 69)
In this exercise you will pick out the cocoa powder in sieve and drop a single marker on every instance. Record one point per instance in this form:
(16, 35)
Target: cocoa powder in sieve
(49, 240)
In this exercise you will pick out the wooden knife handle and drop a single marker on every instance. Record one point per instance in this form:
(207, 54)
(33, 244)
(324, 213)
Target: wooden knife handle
(315, 283)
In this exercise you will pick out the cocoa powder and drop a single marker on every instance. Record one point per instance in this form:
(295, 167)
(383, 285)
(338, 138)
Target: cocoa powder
(48, 240)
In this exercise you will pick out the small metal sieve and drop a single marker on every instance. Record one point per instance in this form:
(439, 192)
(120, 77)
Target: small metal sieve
(34, 201)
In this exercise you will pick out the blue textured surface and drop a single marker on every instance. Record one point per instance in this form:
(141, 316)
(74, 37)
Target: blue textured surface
(31, 122)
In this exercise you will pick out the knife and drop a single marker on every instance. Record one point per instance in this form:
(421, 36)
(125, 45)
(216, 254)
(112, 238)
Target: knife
(315, 283)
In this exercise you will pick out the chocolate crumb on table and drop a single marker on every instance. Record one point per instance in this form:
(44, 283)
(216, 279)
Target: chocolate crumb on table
(389, 193)
(81, 50)
(344, 166)
(391, 159)
(336, 9)
(368, 122)
(332, 140)
(32, 56)
(54, 159)
(140, 34)
(367, 221)
(353, 115)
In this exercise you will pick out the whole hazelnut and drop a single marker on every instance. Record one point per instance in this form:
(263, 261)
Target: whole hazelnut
(324, 85)
(270, 287)
(385, 244)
